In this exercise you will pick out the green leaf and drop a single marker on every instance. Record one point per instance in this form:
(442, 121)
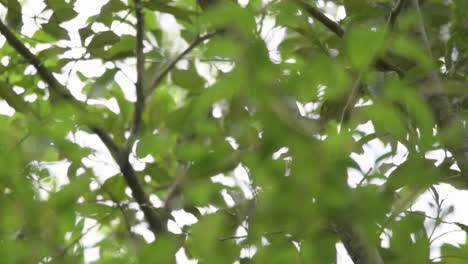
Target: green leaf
(85, 33)
(453, 254)
(158, 145)
(123, 49)
(412, 50)
(204, 193)
(56, 4)
(125, 106)
(205, 240)
(54, 30)
(115, 185)
(107, 13)
(94, 210)
(364, 45)
(281, 249)
(68, 195)
(188, 79)
(230, 14)
(160, 105)
(65, 14)
(386, 119)
(177, 12)
(14, 12)
(151, 21)
(100, 84)
(163, 250)
(102, 39)
(459, 29)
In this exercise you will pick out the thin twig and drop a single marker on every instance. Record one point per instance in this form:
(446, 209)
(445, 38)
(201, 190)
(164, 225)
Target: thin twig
(119, 206)
(160, 77)
(443, 234)
(380, 63)
(351, 99)
(245, 236)
(327, 22)
(77, 239)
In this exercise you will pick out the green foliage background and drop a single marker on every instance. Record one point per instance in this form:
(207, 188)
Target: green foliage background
(225, 103)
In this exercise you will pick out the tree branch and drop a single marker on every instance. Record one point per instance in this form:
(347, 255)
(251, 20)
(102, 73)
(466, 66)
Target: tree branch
(396, 10)
(121, 155)
(156, 81)
(327, 22)
(155, 221)
(433, 91)
(46, 75)
(380, 63)
(140, 56)
(356, 244)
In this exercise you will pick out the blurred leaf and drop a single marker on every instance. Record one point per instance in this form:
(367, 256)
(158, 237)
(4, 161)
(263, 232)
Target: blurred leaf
(14, 12)
(360, 54)
(94, 210)
(205, 240)
(54, 30)
(188, 79)
(177, 12)
(100, 84)
(64, 14)
(159, 107)
(85, 32)
(102, 39)
(158, 145)
(122, 49)
(116, 187)
(163, 250)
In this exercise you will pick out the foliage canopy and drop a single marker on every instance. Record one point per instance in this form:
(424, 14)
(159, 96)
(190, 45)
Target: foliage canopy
(236, 132)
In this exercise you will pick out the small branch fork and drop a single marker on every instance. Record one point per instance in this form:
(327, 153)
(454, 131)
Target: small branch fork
(155, 80)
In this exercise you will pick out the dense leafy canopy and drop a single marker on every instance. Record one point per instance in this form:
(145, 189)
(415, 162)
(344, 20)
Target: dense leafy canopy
(234, 132)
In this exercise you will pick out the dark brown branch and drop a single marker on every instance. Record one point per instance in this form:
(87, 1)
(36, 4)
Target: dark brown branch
(317, 14)
(107, 140)
(380, 63)
(140, 67)
(433, 91)
(396, 10)
(160, 77)
(356, 244)
(46, 75)
(351, 100)
(155, 221)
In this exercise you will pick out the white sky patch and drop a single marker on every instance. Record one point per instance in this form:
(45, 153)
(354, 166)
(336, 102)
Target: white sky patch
(342, 256)
(5, 109)
(101, 161)
(183, 218)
